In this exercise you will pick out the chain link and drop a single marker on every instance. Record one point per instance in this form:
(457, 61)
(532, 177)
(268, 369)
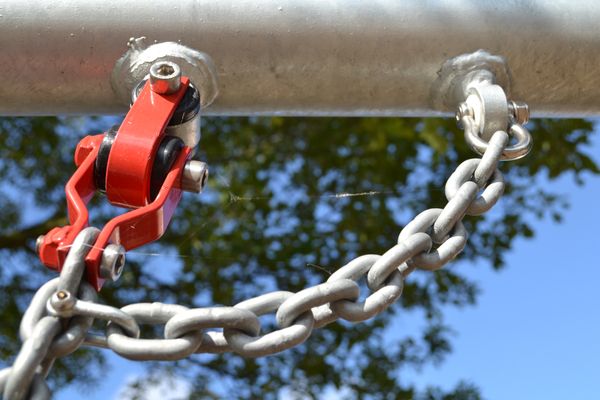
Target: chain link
(428, 242)
(41, 334)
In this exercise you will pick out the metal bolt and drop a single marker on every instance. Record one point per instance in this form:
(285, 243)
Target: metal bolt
(463, 111)
(165, 77)
(38, 243)
(194, 177)
(61, 303)
(112, 263)
(519, 111)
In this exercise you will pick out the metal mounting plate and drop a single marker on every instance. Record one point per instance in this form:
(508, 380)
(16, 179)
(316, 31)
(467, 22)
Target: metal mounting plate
(135, 64)
(457, 75)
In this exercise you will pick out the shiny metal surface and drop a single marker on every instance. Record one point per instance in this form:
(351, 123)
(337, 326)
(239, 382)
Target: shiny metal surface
(490, 108)
(188, 131)
(165, 77)
(448, 250)
(194, 177)
(38, 332)
(406, 249)
(519, 111)
(135, 65)
(310, 57)
(466, 171)
(112, 263)
(520, 149)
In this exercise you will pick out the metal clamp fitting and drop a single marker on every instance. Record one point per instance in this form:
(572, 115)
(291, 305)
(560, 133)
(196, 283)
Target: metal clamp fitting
(141, 168)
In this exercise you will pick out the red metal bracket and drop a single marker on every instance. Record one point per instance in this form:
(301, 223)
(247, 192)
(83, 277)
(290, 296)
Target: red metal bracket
(132, 154)
(128, 178)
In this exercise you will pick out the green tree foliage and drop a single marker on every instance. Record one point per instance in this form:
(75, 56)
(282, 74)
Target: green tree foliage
(289, 201)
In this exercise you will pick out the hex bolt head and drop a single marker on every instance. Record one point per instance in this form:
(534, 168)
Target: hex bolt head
(165, 77)
(38, 243)
(519, 111)
(112, 263)
(463, 111)
(194, 176)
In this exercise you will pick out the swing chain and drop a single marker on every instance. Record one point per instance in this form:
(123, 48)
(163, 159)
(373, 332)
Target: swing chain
(428, 242)
(46, 337)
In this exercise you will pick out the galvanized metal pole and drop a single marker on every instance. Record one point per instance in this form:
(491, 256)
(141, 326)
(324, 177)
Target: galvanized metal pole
(310, 57)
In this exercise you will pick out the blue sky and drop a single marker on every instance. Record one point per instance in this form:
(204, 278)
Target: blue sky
(534, 332)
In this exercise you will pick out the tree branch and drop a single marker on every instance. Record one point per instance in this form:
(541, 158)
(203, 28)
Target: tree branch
(20, 238)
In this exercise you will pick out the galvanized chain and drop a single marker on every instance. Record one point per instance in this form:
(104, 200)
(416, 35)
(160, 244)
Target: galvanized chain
(46, 337)
(57, 322)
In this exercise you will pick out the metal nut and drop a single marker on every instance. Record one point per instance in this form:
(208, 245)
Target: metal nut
(194, 177)
(112, 263)
(165, 77)
(463, 111)
(519, 111)
(38, 243)
(61, 304)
